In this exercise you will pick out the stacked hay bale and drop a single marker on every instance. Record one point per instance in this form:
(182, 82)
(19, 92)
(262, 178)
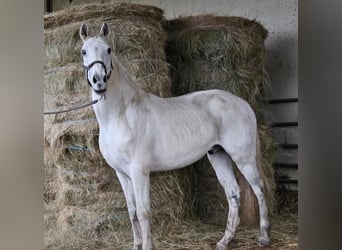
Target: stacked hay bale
(216, 52)
(82, 193)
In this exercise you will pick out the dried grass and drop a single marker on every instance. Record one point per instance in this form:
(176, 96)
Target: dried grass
(189, 235)
(137, 39)
(105, 12)
(208, 51)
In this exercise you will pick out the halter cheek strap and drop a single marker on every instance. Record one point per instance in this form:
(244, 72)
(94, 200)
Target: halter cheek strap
(87, 68)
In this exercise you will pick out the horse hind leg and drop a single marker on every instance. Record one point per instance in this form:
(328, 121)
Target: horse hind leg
(250, 171)
(223, 167)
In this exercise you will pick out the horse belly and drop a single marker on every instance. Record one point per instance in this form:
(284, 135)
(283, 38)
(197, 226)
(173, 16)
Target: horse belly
(184, 147)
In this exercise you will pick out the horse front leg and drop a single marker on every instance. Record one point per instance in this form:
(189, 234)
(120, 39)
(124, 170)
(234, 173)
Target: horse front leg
(141, 186)
(127, 186)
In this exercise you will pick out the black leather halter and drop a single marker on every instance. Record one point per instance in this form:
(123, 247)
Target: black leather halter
(87, 68)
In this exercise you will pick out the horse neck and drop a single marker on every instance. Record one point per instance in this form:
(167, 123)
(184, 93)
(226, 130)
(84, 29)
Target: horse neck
(121, 90)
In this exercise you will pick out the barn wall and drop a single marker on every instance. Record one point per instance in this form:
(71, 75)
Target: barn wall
(280, 18)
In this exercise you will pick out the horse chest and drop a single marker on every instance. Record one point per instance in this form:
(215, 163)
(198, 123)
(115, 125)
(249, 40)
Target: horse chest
(115, 148)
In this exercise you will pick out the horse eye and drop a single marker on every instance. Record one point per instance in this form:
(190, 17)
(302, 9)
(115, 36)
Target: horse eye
(83, 51)
(109, 50)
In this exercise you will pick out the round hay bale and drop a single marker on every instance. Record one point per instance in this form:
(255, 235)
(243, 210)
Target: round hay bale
(208, 51)
(220, 52)
(82, 173)
(50, 176)
(65, 80)
(105, 12)
(138, 40)
(87, 193)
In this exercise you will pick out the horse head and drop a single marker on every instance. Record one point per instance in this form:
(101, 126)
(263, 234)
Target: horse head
(96, 54)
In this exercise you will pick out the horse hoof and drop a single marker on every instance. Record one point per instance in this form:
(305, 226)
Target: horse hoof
(220, 246)
(264, 241)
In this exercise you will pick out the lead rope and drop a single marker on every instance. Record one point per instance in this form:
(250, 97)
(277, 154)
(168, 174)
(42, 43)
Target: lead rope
(74, 108)
(86, 68)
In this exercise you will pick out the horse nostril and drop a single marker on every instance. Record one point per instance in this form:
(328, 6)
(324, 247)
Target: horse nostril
(105, 78)
(94, 79)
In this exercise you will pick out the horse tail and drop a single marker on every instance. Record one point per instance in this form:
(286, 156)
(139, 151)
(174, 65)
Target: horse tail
(266, 174)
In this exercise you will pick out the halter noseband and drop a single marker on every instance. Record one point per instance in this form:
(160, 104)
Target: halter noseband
(87, 68)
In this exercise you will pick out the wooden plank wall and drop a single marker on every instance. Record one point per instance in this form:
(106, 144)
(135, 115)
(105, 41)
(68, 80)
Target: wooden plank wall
(283, 118)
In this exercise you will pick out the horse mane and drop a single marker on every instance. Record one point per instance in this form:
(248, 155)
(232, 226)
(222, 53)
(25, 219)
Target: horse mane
(130, 79)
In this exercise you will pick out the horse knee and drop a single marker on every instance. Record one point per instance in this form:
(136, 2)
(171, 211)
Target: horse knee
(143, 214)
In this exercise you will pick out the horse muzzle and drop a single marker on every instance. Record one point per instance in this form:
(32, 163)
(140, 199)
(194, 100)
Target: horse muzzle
(99, 91)
(98, 82)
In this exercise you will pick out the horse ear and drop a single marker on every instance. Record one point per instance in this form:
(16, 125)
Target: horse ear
(104, 29)
(83, 31)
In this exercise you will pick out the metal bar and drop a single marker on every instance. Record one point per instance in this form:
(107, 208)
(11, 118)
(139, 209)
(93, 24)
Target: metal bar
(283, 124)
(283, 100)
(287, 146)
(48, 5)
(290, 181)
(285, 165)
